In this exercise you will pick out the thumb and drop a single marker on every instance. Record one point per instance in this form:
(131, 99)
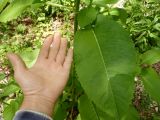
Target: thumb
(16, 61)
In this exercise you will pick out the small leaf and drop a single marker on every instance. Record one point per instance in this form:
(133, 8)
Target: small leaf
(157, 26)
(11, 109)
(29, 56)
(86, 16)
(119, 13)
(150, 57)
(151, 81)
(14, 9)
(2, 76)
(9, 89)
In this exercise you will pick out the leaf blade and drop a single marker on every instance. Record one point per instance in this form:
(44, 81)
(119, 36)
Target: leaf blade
(99, 53)
(151, 81)
(14, 9)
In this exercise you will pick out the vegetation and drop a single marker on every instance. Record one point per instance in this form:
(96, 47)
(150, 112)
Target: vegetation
(115, 74)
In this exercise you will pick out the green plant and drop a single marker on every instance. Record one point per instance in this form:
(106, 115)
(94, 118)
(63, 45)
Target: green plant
(21, 28)
(143, 23)
(101, 84)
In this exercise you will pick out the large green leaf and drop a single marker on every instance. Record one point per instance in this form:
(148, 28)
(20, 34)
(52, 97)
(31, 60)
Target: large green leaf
(60, 112)
(3, 3)
(151, 81)
(14, 9)
(88, 110)
(86, 16)
(132, 114)
(150, 57)
(105, 63)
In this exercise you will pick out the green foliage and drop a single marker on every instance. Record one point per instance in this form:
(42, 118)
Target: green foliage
(151, 56)
(150, 78)
(111, 75)
(11, 109)
(2, 76)
(106, 60)
(132, 114)
(87, 16)
(29, 56)
(60, 113)
(151, 82)
(102, 2)
(9, 89)
(14, 9)
(143, 23)
(119, 14)
(88, 110)
(21, 28)
(3, 3)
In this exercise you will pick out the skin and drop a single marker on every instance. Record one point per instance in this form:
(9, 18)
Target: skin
(43, 83)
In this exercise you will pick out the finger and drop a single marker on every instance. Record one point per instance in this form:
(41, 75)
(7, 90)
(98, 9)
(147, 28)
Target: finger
(68, 59)
(45, 47)
(62, 51)
(54, 48)
(17, 62)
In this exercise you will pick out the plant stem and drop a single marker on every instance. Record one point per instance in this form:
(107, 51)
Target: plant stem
(77, 3)
(76, 10)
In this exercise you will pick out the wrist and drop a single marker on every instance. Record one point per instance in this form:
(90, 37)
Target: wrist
(38, 103)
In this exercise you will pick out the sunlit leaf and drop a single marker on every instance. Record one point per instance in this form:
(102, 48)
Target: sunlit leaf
(3, 3)
(87, 16)
(29, 56)
(11, 109)
(9, 89)
(16, 8)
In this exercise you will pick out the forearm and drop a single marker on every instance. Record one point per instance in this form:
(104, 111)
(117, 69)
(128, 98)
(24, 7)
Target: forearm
(38, 103)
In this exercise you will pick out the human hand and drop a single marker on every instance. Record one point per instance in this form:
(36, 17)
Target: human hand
(44, 82)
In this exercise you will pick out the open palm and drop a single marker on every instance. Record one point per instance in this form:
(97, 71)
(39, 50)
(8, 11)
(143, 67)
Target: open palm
(49, 75)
